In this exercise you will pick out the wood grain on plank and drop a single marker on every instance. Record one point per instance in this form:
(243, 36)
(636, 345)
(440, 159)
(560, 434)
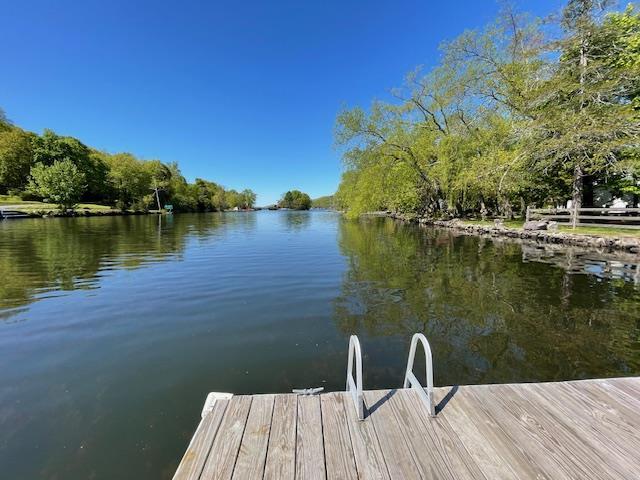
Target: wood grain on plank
(563, 410)
(339, 457)
(253, 448)
(602, 424)
(630, 383)
(281, 454)
(399, 461)
(623, 393)
(488, 456)
(368, 455)
(196, 455)
(510, 452)
(562, 435)
(224, 451)
(437, 449)
(526, 430)
(310, 463)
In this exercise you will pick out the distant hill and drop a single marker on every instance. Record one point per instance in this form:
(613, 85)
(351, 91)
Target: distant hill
(323, 202)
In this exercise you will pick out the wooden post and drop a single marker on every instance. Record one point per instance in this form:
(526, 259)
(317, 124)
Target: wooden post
(528, 215)
(574, 215)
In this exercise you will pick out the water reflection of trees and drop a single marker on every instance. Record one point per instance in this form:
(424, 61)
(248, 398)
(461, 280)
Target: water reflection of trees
(295, 220)
(489, 315)
(68, 253)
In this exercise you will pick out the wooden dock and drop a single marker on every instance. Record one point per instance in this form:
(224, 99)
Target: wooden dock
(560, 430)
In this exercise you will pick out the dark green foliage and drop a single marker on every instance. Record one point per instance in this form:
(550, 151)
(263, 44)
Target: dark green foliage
(120, 179)
(16, 159)
(295, 200)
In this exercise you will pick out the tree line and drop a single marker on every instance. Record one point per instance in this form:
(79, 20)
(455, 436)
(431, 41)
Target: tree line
(523, 112)
(64, 171)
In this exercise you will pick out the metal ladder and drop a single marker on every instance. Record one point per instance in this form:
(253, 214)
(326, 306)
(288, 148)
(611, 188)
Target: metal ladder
(354, 387)
(410, 380)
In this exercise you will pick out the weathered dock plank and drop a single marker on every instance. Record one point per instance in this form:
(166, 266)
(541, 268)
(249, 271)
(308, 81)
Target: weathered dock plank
(557, 430)
(338, 451)
(493, 462)
(281, 454)
(196, 455)
(447, 457)
(225, 447)
(253, 448)
(400, 462)
(310, 463)
(370, 462)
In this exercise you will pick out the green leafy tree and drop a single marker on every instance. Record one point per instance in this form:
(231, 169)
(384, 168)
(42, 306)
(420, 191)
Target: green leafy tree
(234, 199)
(586, 119)
(61, 183)
(130, 180)
(50, 147)
(160, 175)
(16, 159)
(501, 123)
(296, 200)
(248, 198)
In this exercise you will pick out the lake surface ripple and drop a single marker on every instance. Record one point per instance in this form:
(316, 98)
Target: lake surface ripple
(113, 330)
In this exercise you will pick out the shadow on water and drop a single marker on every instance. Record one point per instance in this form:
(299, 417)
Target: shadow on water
(295, 220)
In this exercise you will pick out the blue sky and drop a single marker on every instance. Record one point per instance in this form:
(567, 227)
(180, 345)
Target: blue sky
(241, 93)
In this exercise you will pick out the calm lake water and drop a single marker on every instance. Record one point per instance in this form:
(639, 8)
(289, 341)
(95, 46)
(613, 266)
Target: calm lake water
(113, 330)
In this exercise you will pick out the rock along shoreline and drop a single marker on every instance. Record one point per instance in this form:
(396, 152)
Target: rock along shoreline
(630, 245)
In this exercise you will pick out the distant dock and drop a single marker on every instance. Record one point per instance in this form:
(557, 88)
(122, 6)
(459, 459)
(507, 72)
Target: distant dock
(555, 430)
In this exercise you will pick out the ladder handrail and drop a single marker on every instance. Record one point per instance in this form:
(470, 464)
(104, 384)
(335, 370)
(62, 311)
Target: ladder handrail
(355, 387)
(410, 379)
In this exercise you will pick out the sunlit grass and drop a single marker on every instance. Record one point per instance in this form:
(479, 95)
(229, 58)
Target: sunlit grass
(34, 206)
(599, 231)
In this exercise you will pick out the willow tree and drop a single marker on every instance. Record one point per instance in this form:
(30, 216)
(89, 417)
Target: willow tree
(586, 119)
(496, 67)
(449, 142)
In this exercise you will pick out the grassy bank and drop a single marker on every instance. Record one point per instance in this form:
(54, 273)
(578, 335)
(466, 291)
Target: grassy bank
(34, 207)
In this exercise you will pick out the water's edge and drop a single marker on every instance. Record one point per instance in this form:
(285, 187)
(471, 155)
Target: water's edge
(591, 242)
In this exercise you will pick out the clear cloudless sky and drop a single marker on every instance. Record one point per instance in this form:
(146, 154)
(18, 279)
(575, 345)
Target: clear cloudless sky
(244, 93)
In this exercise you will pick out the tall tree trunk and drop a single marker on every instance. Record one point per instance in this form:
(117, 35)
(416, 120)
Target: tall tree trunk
(483, 209)
(576, 194)
(155, 184)
(577, 187)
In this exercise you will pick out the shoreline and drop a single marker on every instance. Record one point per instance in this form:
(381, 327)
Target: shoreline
(18, 214)
(629, 245)
(15, 213)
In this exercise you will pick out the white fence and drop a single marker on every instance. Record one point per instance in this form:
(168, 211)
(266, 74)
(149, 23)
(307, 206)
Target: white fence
(589, 217)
